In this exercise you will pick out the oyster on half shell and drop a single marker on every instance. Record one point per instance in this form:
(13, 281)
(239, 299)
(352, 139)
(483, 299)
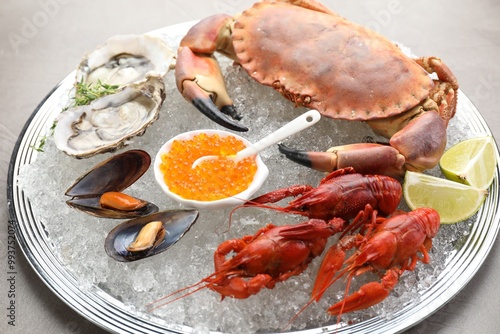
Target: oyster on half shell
(124, 59)
(107, 123)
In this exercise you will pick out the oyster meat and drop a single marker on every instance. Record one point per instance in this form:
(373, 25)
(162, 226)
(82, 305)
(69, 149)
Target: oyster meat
(107, 123)
(124, 59)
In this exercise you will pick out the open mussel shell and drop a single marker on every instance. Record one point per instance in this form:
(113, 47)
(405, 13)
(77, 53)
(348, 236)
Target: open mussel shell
(175, 222)
(114, 174)
(91, 206)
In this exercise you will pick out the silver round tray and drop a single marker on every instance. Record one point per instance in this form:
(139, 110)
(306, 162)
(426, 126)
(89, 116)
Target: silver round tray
(111, 314)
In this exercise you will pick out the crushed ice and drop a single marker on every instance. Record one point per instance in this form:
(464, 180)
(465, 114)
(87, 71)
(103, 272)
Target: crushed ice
(78, 238)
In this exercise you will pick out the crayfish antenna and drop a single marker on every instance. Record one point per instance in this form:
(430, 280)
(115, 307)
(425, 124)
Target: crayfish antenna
(347, 287)
(316, 297)
(244, 205)
(151, 306)
(250, 203)
(289, 323)
(230, 220)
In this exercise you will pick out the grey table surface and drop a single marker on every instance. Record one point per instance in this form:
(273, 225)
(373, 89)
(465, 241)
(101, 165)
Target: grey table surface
(42, 41)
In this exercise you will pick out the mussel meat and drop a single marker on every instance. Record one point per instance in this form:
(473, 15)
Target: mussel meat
(121, 201)
(149, 235)
(98, 192)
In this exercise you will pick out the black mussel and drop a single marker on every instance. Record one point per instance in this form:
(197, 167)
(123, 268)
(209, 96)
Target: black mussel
(114, 174)
(92, 206)
(146, 236)
(98, 192)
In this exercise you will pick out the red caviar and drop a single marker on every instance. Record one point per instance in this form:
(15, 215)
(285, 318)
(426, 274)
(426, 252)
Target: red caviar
(210, 180)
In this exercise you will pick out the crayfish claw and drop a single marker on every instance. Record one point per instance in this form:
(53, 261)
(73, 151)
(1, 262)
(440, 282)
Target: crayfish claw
(368, 295)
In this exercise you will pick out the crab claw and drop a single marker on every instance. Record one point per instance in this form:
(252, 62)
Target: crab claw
(200, 81)
(364, 158)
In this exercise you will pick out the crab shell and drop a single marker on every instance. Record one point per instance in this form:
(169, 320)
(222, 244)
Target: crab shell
(327, 63)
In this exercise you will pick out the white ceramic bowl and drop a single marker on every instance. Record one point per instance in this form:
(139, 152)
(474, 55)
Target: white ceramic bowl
(258, 180)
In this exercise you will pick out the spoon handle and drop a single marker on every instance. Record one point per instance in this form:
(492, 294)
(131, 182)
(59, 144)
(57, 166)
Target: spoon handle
(298, 124)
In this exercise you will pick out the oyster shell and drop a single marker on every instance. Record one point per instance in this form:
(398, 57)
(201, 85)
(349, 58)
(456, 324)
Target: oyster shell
(175, 224)
(114, 174)
(108, 122)
(124, 59)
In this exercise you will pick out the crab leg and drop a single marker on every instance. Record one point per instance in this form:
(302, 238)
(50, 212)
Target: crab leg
(444, 93)
(198, 76)
(364, 158)
(417, 146)
(417, 136)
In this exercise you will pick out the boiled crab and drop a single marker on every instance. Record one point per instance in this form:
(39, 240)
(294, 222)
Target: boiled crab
(319, 60)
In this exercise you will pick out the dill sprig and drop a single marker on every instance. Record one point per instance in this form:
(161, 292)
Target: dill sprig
(43, 140)
(88, 92)
(84, 94)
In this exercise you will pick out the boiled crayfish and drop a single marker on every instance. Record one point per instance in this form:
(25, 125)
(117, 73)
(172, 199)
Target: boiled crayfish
(342, 193)
(272, 255)
(317, 59)
(386, 246)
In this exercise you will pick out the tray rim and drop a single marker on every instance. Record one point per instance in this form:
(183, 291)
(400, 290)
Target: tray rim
(111, 315)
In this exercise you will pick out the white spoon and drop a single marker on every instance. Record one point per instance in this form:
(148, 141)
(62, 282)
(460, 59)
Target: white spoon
(298, 124)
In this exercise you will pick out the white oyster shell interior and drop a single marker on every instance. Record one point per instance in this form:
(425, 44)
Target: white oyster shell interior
(124, 59)
(107, 123)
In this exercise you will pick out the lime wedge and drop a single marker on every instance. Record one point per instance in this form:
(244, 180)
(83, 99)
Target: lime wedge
(453, 201)
(471, 162)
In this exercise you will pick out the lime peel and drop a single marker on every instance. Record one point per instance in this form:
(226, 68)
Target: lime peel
(453, 201)
(472, 162)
